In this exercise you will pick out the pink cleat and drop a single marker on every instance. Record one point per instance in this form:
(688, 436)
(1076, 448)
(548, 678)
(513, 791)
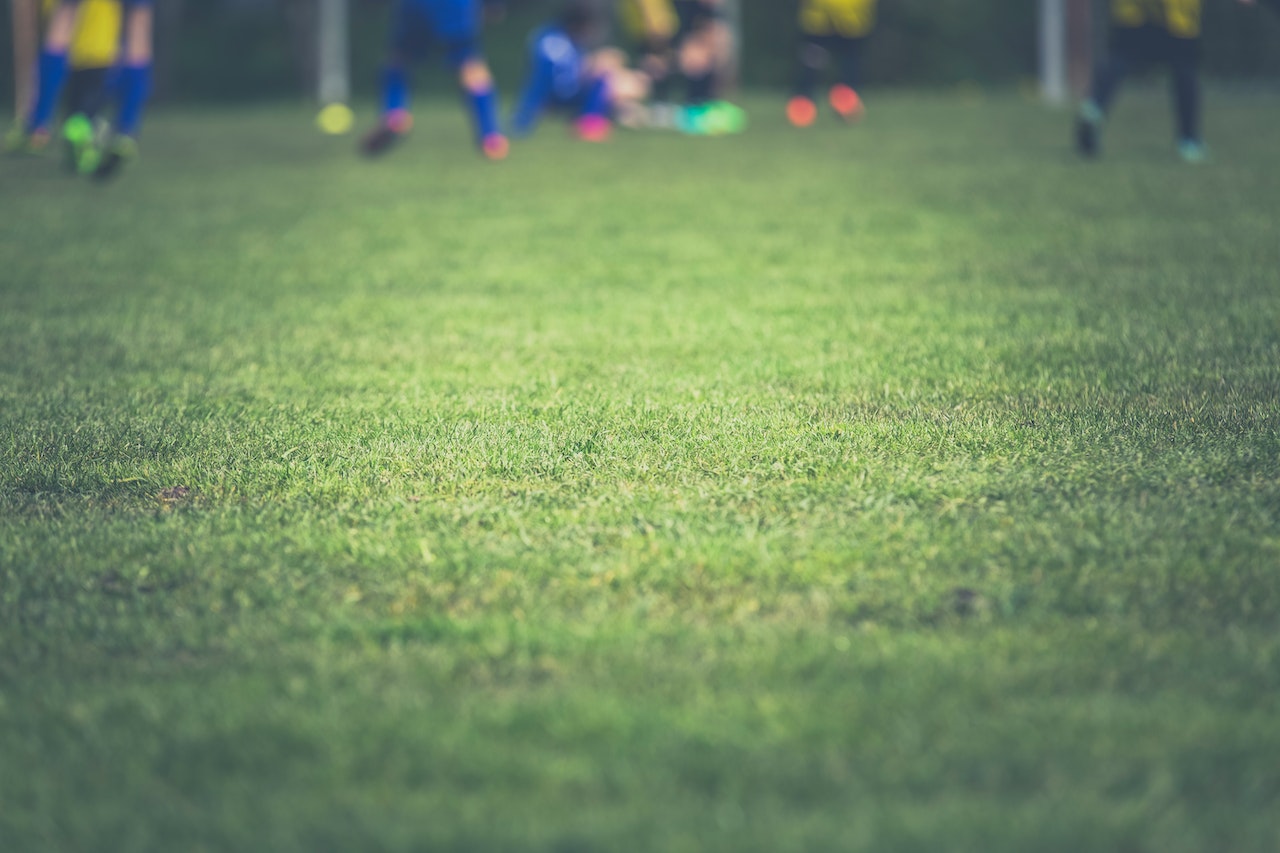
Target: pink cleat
(801, 111)
(495, 146)
(593, 128)
(846, 103)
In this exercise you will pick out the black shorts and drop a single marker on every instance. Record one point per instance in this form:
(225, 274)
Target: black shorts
(832, 43)
(1150, 43)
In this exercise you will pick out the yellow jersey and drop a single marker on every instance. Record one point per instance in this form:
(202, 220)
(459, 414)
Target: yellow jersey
(1180, 17)
(97, 40)
(649, 19)
(847, 18)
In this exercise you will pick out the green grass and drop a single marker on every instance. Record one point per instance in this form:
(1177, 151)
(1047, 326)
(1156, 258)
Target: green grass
(909, 487)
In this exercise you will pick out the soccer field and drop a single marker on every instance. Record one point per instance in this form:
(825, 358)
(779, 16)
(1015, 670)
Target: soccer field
(906, 487)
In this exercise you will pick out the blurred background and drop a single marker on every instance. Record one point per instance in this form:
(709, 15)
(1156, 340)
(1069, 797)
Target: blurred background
(242, 50)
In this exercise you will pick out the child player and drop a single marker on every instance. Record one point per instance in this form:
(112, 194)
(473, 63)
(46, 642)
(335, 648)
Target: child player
(565, 76)
(132, 86)
(90, 79)
(1144, 32)
(416, 26)
(691, 38)
(829, 28)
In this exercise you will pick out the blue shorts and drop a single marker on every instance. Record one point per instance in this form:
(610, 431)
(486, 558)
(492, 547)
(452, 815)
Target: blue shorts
(418, 24)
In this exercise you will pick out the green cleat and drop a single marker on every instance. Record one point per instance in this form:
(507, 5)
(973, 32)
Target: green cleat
(723, 117)
(712, 119)
(81, 154)
(117, 153)
(19, 140)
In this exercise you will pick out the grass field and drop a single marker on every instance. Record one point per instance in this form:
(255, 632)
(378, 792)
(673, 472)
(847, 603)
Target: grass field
(908, 487)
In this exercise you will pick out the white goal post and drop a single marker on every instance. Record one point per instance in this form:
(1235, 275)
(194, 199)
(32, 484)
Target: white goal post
(1065, 41)
(1053, 51)
(333, 53)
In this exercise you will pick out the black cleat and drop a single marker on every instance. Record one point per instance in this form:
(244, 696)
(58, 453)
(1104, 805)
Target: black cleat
(121, 151)
(390, 131)
(1086, 138)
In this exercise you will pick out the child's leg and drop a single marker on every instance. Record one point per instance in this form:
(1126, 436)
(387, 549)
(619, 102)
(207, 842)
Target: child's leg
(1130, 46)
(407, 41)
(135, 67)
(481, 97)
(1183, 62)
(844, 96)
(53, 66)
(1107, 79)
(811, 59)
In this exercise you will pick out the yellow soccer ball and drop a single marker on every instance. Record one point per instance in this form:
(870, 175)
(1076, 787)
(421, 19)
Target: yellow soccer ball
(335, 119)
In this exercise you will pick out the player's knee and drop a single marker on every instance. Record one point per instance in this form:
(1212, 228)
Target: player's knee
(137, 42)
(475, 77)
(62, 28)
(696, 59)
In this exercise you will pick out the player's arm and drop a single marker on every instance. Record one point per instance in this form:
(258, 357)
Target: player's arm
(537, 90)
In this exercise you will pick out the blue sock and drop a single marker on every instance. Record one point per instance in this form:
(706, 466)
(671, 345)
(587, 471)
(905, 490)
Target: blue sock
(53, 73)
(395, 89)
(597, 101)
(135, 86)
(484, 108)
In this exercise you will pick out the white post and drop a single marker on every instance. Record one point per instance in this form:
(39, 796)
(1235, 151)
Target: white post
(333, 60)
(1053, 51)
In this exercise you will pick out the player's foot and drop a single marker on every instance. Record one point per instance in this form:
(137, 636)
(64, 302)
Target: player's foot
(801, 111)
(393, 128)
(19, 140)
(77, 134)
(846, 102)
(495, 147)
(1192, 151)
(723, 117)
(1088, 130)
(116, 154)
(715, 118)
(592, 128)
(689, 119)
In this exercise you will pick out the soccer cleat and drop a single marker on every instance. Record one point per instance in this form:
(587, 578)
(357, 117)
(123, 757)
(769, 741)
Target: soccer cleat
(715, 118)
(21, 141)
(1088, 130)
(801, 111)
(393, 128)
(592, 128)
(1192, 151)
(77, 134)
(723, 117)
(845, 101)
(116, 154)
(689, 119)
(495, 147)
